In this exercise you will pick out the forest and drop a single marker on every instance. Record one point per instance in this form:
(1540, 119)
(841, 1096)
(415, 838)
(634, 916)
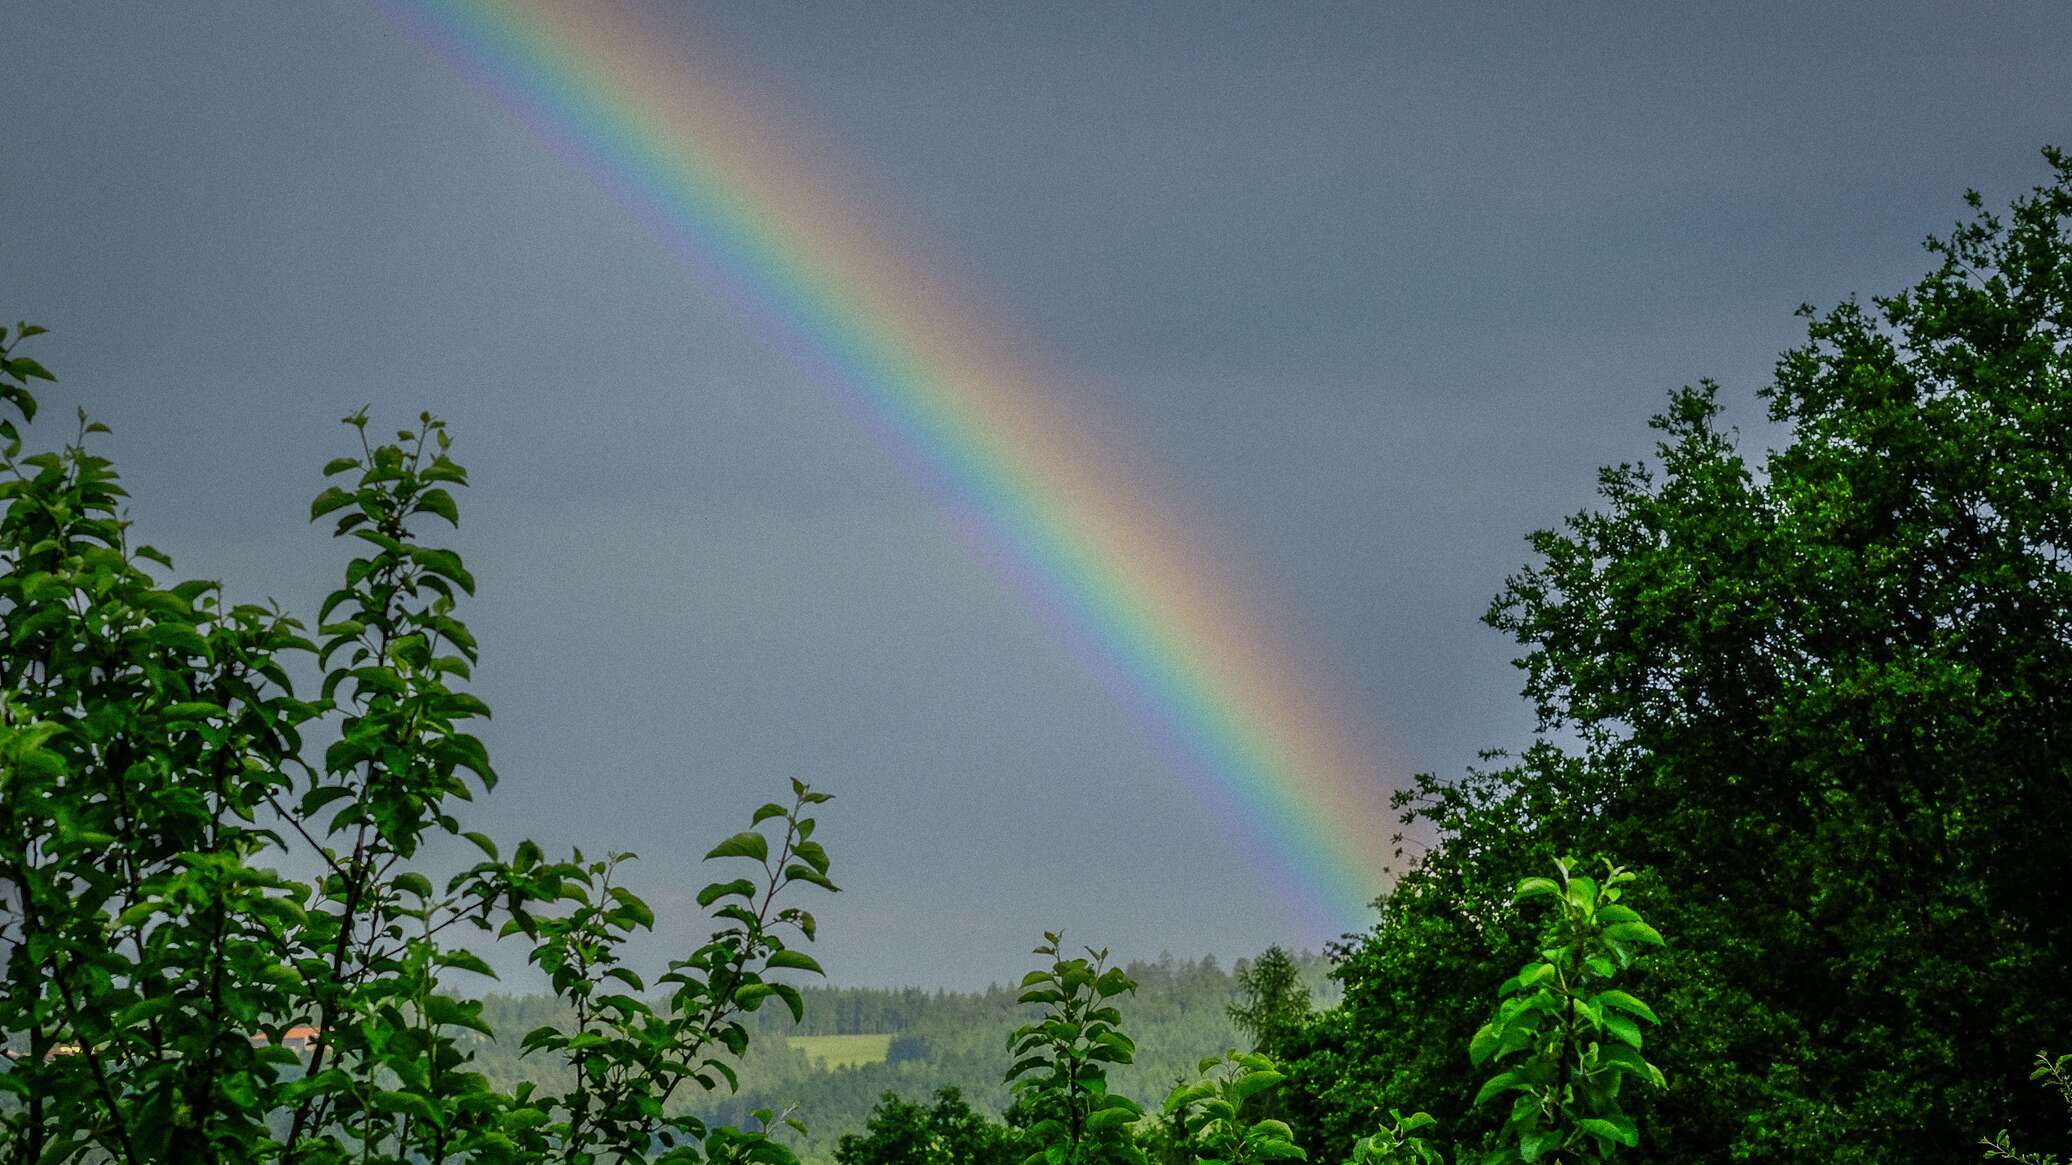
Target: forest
(1780, 878)
(929, 1040)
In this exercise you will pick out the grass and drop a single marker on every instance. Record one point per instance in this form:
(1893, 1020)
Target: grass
(843, 1051)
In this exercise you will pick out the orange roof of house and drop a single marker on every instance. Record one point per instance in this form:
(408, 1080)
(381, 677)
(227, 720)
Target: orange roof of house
(301, 1031)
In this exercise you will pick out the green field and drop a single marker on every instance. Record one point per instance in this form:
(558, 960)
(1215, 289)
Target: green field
(844, 1051)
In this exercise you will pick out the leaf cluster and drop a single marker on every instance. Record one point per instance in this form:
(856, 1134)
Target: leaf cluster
(1399, 1143)
(946, 1132)
(1060, 1070)
(1208, 1114)
(1572, 1038)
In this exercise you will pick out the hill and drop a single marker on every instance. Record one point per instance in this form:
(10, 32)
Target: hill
(855, 1044)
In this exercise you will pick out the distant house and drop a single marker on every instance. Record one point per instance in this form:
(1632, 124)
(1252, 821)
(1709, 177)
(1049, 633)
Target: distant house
(299, 1037)
(68, 1048)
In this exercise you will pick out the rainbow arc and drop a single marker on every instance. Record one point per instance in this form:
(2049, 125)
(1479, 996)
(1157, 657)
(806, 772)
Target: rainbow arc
(1241, 713)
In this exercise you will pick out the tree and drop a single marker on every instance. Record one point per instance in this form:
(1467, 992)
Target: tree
(1208, 1120)
(1275, 1003)
(1825, 694)
(948, 1132)
(1060, 1070)
(1573, 1038)
(153, 772)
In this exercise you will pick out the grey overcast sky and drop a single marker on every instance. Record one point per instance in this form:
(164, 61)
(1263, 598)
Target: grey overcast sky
(1374, 287)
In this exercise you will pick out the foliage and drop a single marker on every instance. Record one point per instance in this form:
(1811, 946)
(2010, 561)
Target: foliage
(1060, 1070)
(1275, 1003)
(1399, 1143)
(1578, 1037)
(1208, 1114)
(629, 1057)
(948, 1132)
(2058, 1074)
(1417, 985)
(147, 732)
(1822, 693)
(156, 770)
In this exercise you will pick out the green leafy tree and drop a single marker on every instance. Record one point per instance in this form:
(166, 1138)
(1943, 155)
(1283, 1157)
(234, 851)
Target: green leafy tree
(147, 734)
(947, 1132)
(1060, 1072)
(1275, 1005)
(1822, 693)
(386, 1065)
(159, 970)
(1572, 1037)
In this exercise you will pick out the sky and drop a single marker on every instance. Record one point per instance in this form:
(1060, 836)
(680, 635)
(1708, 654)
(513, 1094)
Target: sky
(1366, 292)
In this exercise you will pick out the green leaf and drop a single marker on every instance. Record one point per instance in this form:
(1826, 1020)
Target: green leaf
(194, 710)
(331, 499)
(795, 961)
(1633, 932)
(798, 872)
(1534, 888)
(321, 796)
(813, 854)
(1616, 1128)
(740, 887)
(439, 502)
(442, 1010)
(1187, 1094)
(445, 564)
(408, 1103)
(462, 960)
(1253, 1083)
(1624, 1002)
(24, 367)
(746, 844)
(1110, 1118)
(1622, 1029)
(1498, 1085)
(1485, 1042)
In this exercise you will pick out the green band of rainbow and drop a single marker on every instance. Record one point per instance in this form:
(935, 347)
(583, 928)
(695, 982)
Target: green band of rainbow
(1240, 712)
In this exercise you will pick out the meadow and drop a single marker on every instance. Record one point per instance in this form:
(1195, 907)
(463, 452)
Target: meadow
(835, 1052)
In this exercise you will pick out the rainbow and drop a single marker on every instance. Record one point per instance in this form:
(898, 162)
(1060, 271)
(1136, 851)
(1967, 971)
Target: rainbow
(1236, 708)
